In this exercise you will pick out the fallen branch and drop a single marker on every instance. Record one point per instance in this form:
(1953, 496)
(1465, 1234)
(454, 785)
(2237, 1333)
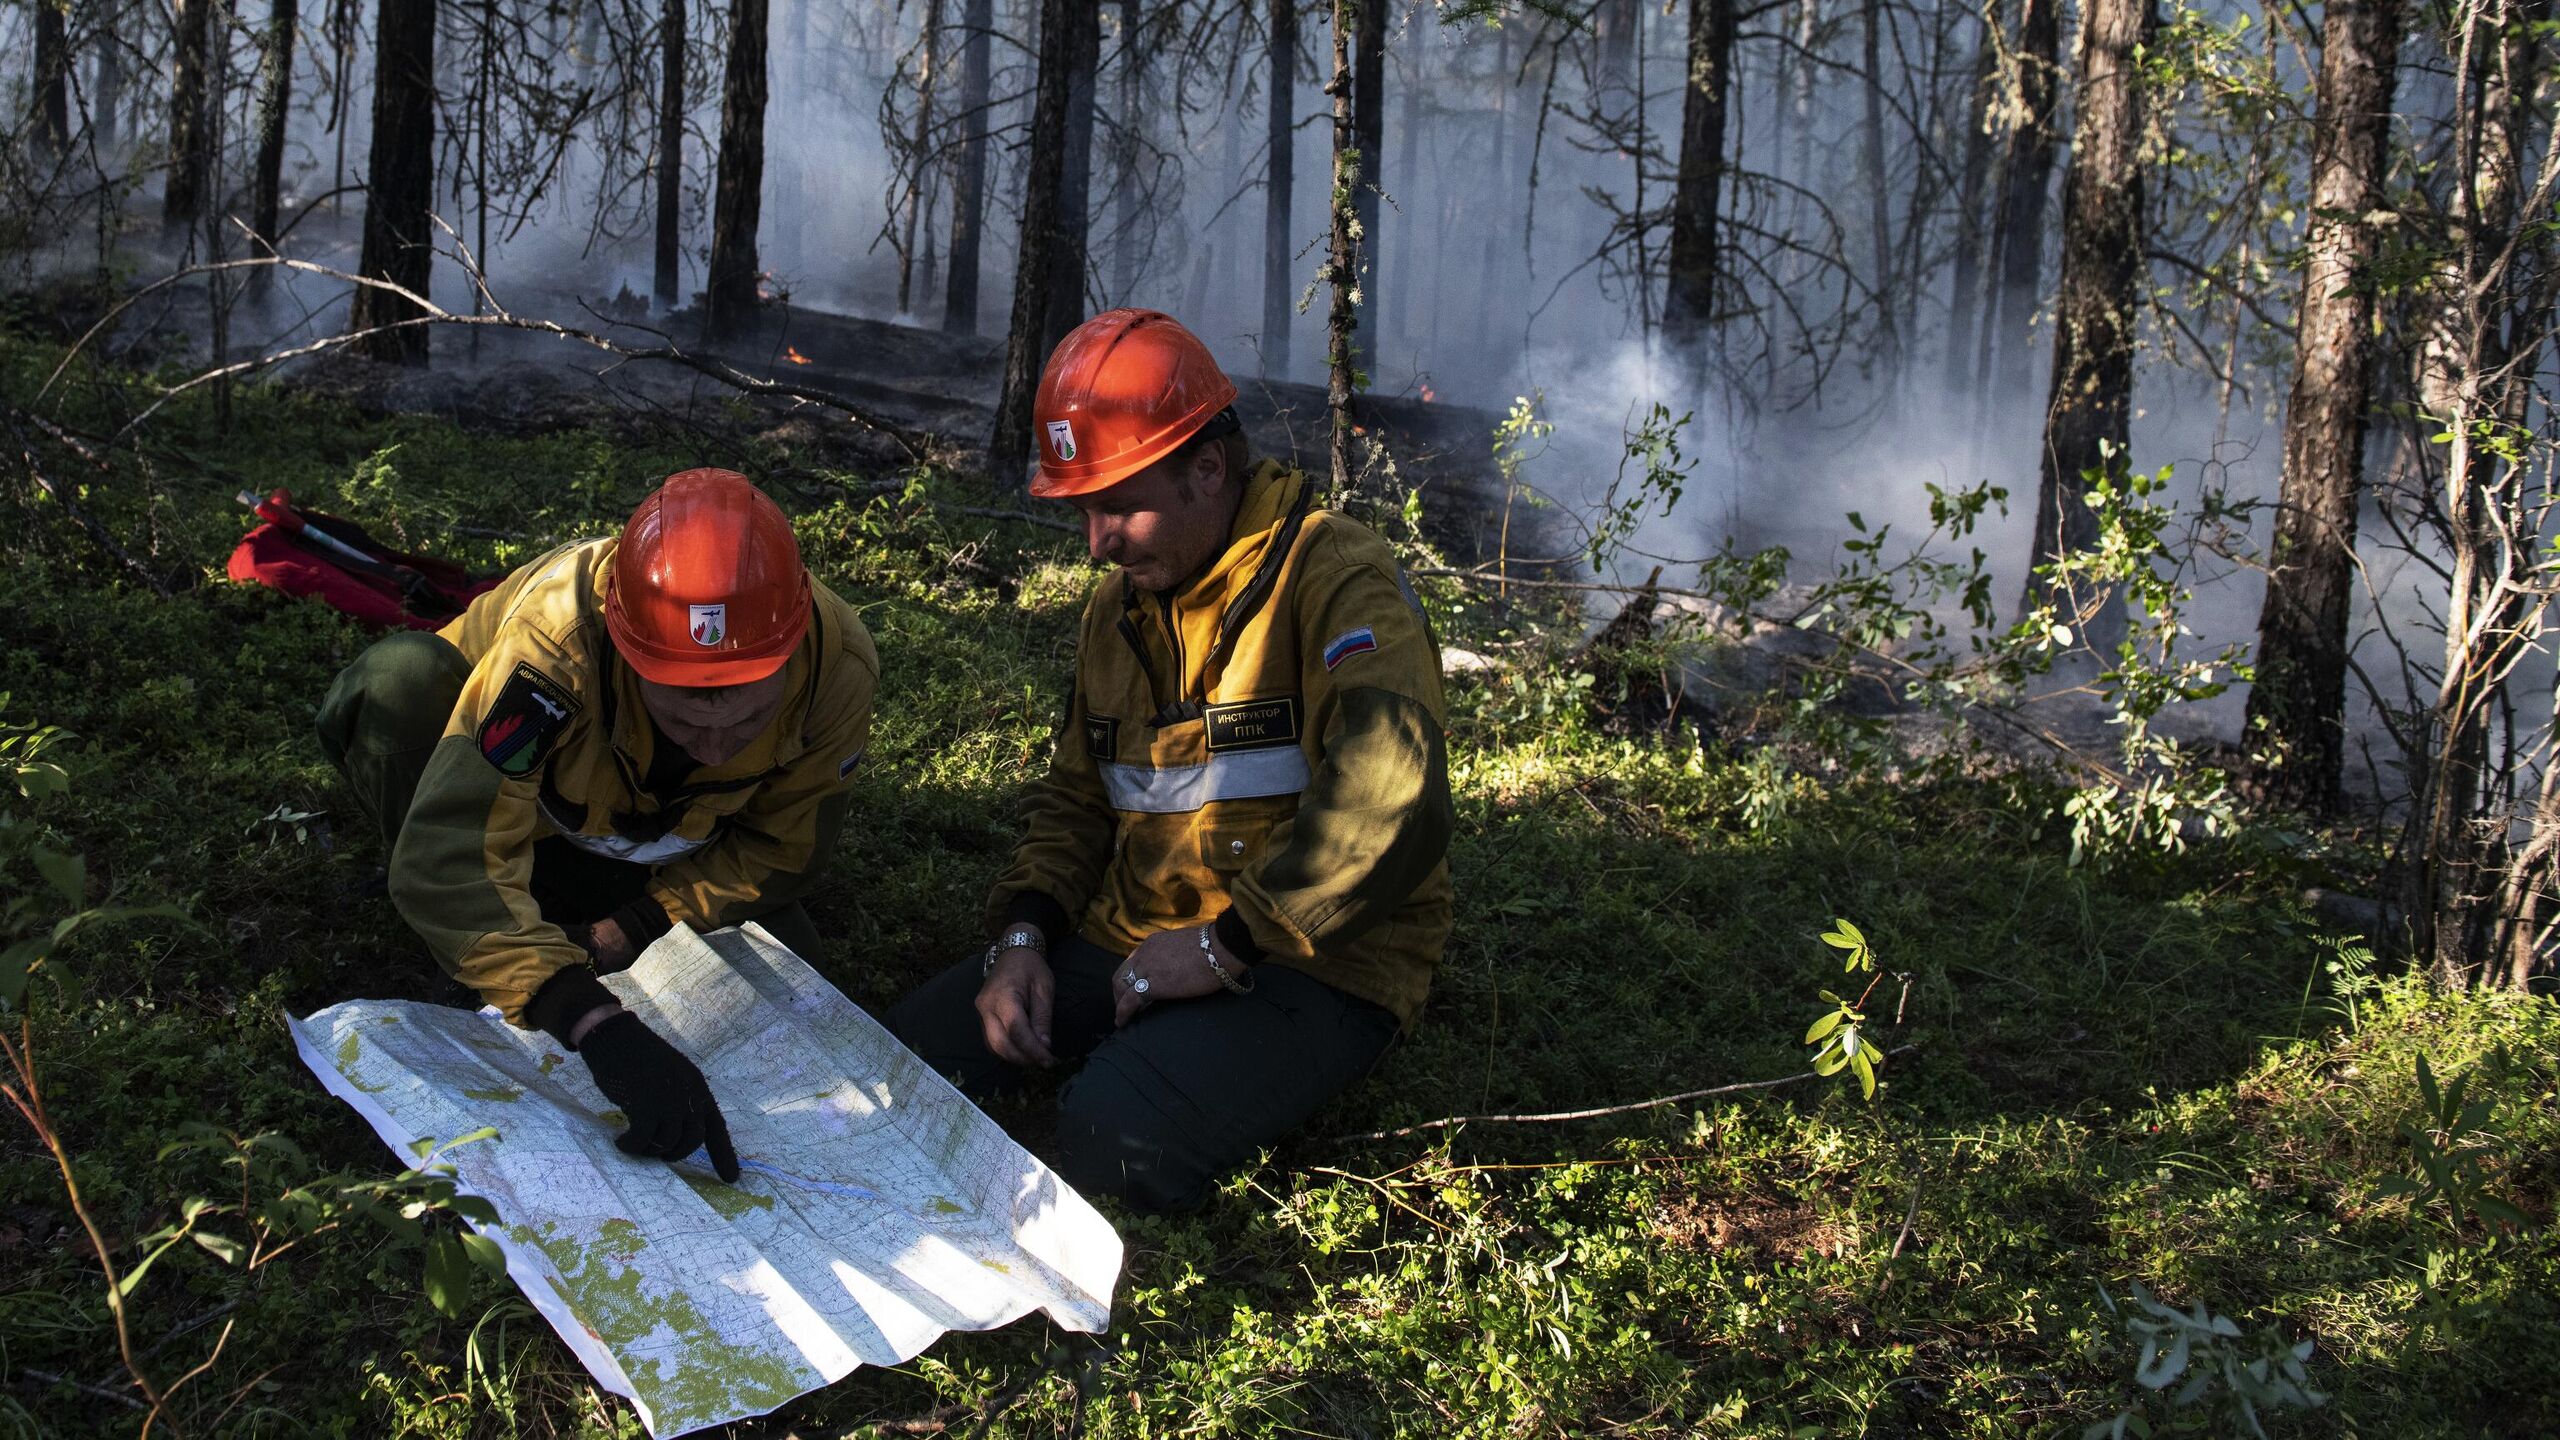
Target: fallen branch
(1555, 1116)
(915, 443)
(95, 1392)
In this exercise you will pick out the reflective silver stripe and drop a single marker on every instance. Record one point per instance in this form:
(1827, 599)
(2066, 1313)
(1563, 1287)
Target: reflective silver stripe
(615, 847)
(1181, 789)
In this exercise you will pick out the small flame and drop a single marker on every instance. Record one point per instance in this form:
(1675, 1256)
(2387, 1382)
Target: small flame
(1430, 396)
(793, 355)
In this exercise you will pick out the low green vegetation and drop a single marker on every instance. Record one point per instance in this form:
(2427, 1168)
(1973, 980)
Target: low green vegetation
(2130, 1152)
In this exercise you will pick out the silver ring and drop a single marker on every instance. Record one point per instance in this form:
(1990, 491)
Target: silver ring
(1137, 983)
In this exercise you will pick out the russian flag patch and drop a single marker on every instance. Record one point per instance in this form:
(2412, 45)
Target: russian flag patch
(1348, 644)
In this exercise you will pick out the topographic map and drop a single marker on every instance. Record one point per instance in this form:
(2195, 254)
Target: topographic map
(877, 1210)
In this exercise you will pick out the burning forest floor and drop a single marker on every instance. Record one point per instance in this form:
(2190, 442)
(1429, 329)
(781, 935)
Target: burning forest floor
(2163, 1071)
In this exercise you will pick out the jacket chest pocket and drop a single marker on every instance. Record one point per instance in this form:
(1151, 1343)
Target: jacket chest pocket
(1231, 841)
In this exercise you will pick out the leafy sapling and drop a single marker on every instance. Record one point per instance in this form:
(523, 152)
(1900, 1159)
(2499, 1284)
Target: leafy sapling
(1840, 1037)
(2454, 1139)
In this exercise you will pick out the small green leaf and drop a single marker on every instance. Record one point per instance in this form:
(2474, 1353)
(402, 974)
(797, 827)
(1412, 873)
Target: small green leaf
(1825, 1026)
(448, 1277)
(67, 874)
(221, 1247)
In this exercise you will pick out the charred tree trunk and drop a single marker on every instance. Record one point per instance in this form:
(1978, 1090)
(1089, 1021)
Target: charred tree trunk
(275, 106)
(1128, 153)
(729, 296)
(2026, 178)
(53, 82)
(2298, 702)
(670, 163)
(1067, 257)
(108, 97)
(190, 150)
(2089, 417)
(969, 192)
(1964, 307)
(1689, 305)
(1879, 201)
(1340, 256)
(1282, 137)
(1369, 137)
(1009, 448)
(400, 182)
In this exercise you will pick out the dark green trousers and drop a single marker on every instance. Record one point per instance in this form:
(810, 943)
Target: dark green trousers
(1186, 1091)
(381, 720)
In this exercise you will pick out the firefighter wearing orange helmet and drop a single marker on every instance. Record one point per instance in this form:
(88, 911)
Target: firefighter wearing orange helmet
(627, 733)
(1232, 887)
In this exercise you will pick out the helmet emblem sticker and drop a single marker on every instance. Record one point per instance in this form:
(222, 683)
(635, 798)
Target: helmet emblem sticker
(710, 624)
(1062, 438)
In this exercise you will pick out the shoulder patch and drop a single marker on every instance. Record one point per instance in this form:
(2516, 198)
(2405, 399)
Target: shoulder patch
(530, 713)
(1347, 644)
(846, 769)
(1102, 737)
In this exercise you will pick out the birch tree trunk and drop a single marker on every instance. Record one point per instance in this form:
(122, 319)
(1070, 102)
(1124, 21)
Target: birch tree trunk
(729, 296)
(2089, 416)
(1341, 258)
(670, 161)
(2298, 702)
(969, 189)
(1281, 131)
(400, 177)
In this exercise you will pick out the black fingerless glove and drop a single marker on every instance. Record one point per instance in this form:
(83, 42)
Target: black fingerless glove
(659, 1091)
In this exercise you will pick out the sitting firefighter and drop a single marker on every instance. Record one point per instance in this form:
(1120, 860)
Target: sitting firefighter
(1231, 887)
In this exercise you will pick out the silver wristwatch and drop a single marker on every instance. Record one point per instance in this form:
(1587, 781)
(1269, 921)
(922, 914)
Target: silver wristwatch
(1011, 940)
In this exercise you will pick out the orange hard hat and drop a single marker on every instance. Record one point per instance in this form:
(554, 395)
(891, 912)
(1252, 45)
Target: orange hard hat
(1121, 392)
(708, 588)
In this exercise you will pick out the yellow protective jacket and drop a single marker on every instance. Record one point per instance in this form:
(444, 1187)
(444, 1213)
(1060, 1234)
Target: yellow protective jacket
(550, 738)
(1262, 747)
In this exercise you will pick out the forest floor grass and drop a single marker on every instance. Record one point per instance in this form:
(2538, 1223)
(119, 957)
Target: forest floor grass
(2156, 1074)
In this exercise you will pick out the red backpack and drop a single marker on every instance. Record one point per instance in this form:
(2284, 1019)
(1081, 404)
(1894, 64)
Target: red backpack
(303, 552)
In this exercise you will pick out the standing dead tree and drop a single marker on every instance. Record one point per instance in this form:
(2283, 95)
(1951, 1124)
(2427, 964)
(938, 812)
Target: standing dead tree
(1689, 301)
(668, 162)
(1341, 258)
(730, 297)
(1009, 448)
(275, 109)
(969, 180)
(1280, 176)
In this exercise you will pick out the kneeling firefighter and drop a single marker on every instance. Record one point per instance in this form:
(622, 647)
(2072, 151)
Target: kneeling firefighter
(625, 734)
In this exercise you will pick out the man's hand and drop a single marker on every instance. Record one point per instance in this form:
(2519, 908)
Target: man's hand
(610, 947)
(1170, 962)
(1014, 1005)
(659, 1091)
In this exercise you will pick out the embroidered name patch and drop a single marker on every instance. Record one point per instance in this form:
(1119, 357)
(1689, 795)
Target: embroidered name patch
(530, 713)
(1253, 724)
(1102, 737)
(1348, 644)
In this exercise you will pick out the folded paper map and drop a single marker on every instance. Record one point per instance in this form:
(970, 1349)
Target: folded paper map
(877, 1210)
